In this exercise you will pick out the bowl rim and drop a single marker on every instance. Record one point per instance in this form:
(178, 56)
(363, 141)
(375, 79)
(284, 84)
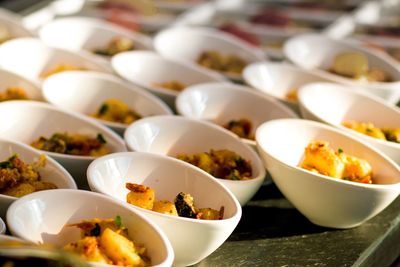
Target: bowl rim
(142, 54)
(94, 75)
(76, 116)
(348, 90)
(343, 43)
(67, 176)
(326, 178)
(181, 164)
(256, 161)
(3, 227)
(36, 195)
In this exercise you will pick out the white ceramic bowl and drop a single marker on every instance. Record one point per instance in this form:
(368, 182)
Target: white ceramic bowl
(278, 79)
(221, 103)
(316, 52)
(26, 121)
(84, 92)
(41, 218)
(323, 200)
(187, 43)
(13, 23)
(83, 33)
(168, 177)
(3, 227)
(31, 58)
(334, 104)
(172, 135)
(52, 172)
(145, 68)
(9, 79)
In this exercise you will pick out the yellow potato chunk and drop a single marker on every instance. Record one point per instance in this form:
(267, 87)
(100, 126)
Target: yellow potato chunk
(350, 64)
(89, 249)
(356, 169)
(165, 207)
(210, 214)
(140, 195)
(365, 128)
(119, 249)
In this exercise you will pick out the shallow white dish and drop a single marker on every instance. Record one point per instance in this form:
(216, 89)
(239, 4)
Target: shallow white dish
(41, 218)
(279, 79)
(334, 104)
(83, 33)
(144, 68)
(42, 119)
(9, 79)
(187, 43)
(52, 172)
(84, 93)
(316, 52)
(323, 200)
(168, 177)
(172, 135)
(221, 103)
(31, 58)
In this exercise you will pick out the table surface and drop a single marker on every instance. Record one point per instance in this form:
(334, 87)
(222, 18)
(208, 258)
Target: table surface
(272, 232)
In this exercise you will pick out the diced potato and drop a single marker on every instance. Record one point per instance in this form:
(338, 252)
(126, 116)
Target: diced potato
(140, 195)
(121, 250)
(356, 169)
(350, 64)
(165, 207)
(88, 248)
(210, 214)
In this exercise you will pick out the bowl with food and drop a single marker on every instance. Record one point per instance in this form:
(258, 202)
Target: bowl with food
(174, 195)
(16, 87)
(280, 80)
(203, 144)
(95, 227)
(163, 77)
(367, 117)
(209, 48)
(330, 176)
(236, 108)
(24, 170)
(346, 63)
(33, 60)
(70, 138)
(11, 26)
(111, 101)
(92, 35)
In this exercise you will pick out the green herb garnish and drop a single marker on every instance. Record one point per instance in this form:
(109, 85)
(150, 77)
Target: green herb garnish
(118, 221)
(96, 230)
(6, 165)
(340, 151)
(101, 139)
(103, 109)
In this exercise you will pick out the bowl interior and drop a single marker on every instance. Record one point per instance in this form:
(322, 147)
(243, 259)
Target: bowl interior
(299, 133)
(13, 23)
(9, 79)
(42, 217)
(166, 176)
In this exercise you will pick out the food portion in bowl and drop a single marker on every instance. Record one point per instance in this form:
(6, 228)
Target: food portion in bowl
(292, 95)
(18, 178)
(183, 205)
(171, 85)
(116, 45)
(13, 93)
(59, 68)
(223, 163)
(115, 110)
(355, 65)
(242, 127)
(387, 134)
(73, 144)
(107, 241)
(226, 63)
(319, 157)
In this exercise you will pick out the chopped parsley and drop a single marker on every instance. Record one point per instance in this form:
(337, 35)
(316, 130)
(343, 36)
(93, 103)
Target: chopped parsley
(340, 151)
(118, 221)
(101, 139)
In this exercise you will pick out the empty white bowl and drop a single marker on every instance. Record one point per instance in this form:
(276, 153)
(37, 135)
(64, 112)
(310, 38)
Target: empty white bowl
(83, 33)
(168, 177)
(334, 104)
(187, 43)
(42, 216)
(173, 135)
(279, 79)
(316, 52)
(145, 68)
(325, 201)
(84, 92)
(13, 24)
(9, 79)
(221, 103)
(51, 172)
(26, 121)
(31, 58)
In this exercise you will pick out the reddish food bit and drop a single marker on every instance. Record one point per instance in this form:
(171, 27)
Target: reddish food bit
(240, 33)
(271, 17)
